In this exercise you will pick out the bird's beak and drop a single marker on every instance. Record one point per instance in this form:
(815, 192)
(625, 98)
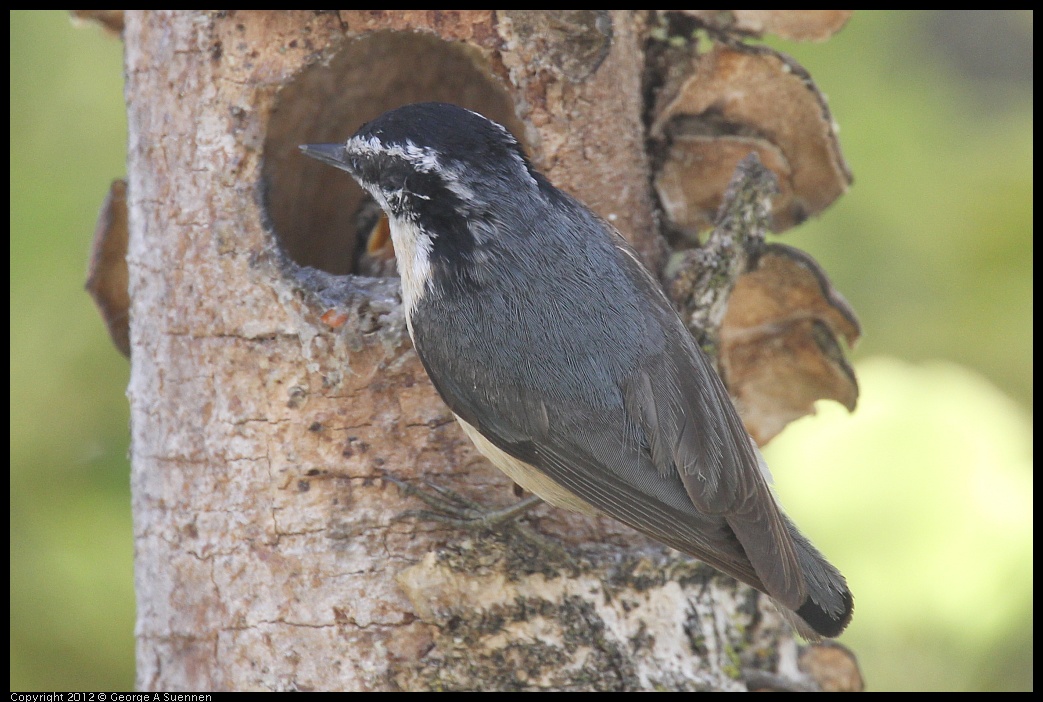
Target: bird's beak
(333, 154)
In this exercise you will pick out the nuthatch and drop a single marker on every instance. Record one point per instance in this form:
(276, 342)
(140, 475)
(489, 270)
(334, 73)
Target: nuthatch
(564, 361)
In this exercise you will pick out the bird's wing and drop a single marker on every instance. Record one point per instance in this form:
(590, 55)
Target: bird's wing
(617, 454)
(606, 464)
(694, 430)
(693, 434)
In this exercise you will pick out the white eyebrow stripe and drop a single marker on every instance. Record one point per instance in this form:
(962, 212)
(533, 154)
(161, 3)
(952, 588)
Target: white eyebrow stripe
(423, 159)
(426, 160)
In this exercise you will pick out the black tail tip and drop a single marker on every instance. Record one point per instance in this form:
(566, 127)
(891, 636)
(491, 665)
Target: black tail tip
(824, 623)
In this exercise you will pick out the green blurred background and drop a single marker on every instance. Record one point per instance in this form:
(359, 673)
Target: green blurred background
(923, 497)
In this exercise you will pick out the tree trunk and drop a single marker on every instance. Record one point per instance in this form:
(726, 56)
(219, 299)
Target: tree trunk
(271, 393)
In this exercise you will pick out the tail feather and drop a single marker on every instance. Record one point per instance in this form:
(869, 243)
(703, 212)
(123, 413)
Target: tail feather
(829, 605)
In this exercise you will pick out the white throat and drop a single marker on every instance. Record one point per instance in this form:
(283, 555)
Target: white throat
(413, 253)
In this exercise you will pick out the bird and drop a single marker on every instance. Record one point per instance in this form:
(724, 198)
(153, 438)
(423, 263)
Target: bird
(564, 361)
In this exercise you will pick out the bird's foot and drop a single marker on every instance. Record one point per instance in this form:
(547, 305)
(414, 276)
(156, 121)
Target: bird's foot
(452, 508)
